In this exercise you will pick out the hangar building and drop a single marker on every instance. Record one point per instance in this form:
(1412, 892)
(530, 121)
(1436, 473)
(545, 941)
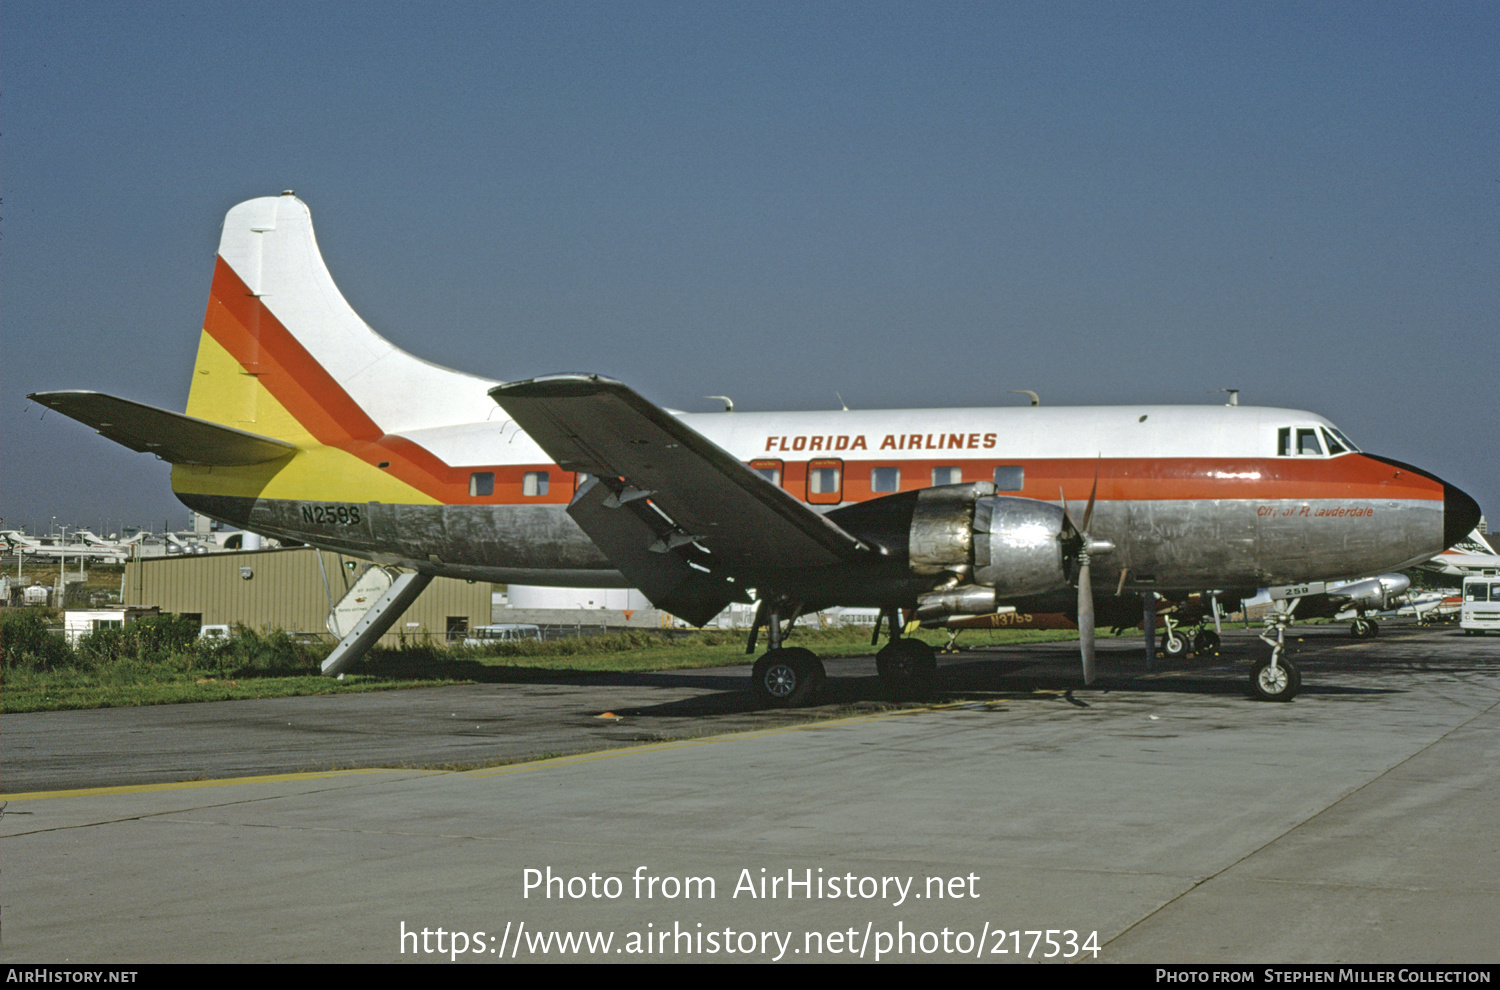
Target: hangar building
(294, 590)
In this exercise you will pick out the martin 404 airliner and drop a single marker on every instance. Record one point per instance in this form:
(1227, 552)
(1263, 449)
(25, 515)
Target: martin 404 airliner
(304, 424)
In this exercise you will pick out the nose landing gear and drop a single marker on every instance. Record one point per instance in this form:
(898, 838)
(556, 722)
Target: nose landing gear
(1276, 679)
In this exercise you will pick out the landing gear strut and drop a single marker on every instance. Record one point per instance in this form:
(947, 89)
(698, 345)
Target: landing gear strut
(1199, 641)
(1363, 628)
(1172, 645)
(1276, 679)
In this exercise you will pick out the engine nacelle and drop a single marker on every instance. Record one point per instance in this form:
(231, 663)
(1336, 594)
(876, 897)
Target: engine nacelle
(993, 547)
(1018, 546)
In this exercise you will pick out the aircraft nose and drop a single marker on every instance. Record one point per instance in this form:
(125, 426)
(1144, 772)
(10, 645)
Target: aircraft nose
(1460, 515)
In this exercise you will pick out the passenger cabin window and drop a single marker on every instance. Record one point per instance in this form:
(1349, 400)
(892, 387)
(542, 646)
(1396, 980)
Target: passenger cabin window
(825, 482)
(1010, 477)
(885, 479)
(947, 476)
(482, 483)
(770, 470)
(534, 484)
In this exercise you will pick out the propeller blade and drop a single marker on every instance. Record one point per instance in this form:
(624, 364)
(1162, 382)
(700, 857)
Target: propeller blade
(1085, 580)
(1086, 622)
(1088, 513)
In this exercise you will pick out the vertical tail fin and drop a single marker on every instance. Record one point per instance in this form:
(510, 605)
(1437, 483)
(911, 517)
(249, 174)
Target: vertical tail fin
(283, 354)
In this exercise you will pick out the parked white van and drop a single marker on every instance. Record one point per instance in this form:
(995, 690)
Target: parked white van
(1480, 611)
(508, 632)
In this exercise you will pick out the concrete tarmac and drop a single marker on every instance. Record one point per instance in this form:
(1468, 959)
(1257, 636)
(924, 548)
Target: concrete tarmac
(1158, 817)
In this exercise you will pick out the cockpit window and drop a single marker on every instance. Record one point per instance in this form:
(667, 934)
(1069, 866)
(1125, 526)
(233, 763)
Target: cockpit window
(1348, 444)
(1303, 441)
(1334, 447)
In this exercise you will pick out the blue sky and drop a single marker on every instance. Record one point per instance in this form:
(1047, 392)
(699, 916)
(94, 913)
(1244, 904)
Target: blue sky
(909, 204)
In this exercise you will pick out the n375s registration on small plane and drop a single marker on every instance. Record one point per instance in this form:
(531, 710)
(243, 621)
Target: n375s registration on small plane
(304, 424)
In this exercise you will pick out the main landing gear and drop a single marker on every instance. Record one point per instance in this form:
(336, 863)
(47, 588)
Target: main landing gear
(791, 677)
(1363, 628)
(906, 667)
(786, 676)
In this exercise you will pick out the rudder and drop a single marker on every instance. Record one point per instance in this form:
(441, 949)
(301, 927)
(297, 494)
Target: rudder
(284, 355)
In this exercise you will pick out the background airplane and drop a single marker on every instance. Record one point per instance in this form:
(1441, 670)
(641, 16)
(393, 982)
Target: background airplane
(91, 548)
(1471, 556)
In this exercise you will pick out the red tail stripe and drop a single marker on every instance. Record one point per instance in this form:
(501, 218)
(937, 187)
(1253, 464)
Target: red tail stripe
(241, 323)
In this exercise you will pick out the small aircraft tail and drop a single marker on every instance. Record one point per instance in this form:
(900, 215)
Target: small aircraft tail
(1474, 543)
(283, 355)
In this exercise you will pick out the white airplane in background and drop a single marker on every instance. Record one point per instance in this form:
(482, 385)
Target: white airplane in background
(1472, 555)
(1347, 599)
(22, 544)
(1339, 599)
(303, 423)
(110, 543)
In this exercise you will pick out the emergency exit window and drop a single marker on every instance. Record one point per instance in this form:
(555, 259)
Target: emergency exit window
(825, 480)
(770, 470)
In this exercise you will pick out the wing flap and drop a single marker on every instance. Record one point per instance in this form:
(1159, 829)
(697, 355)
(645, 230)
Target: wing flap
(694, 594)
(173, 437)
(646, 455)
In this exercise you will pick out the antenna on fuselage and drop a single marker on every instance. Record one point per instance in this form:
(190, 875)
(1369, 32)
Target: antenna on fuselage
(1234, 396)
(1036, 400)
(728, 402)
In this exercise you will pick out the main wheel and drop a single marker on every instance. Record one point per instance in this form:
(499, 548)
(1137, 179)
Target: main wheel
(787, 678)
(1279, 684)
(1206, 641)
(1362, 628)
(907, 668)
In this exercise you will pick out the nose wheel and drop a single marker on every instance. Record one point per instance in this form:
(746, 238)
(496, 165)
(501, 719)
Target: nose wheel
(1275, 680)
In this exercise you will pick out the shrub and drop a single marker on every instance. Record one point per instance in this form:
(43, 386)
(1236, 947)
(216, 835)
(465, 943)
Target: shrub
(27, 640)
(153, 639)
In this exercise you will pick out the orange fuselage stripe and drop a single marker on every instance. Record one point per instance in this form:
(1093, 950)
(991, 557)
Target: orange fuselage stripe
(244, 327)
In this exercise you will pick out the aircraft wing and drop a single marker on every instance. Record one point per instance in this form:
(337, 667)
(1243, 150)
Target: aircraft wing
(699, 524)
(173, 437)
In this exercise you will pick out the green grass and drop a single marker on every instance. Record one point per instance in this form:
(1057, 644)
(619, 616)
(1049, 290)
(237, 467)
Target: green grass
(159, 662)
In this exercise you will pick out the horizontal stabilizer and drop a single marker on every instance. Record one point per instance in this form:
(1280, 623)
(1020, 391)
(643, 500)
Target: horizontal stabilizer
(173, 437)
